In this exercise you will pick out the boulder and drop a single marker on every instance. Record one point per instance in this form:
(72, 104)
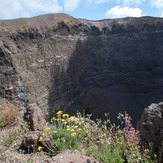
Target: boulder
(31, 140)
(151, 126)
(35, 118)
(71, 156)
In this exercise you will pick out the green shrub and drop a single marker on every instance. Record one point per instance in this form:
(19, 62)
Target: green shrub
(101, 139)
(65, 133)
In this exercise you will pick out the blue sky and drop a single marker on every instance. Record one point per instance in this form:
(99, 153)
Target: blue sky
(87, 9)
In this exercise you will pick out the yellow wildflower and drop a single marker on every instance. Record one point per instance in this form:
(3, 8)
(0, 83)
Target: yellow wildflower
(39, 148)
(72, 130)
(63, 120)
(68, 129)
(64, 123)
(103, 135)
(73, 134)
(75, 127)
(59, 112)
(47, 123)
(65, 115)
(79, 123)
(54, 131)
(48, 128)
(40, 139)
(54, 118)
(67, 126)
(79, 129)
(44, 134)
(72, 119)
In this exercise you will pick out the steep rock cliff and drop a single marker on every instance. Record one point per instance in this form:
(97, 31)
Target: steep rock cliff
(58, 61)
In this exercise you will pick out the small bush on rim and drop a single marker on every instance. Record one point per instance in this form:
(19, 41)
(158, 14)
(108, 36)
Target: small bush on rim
(65, 131)
(9, 115)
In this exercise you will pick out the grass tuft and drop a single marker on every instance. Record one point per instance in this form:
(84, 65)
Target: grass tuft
(9, 115)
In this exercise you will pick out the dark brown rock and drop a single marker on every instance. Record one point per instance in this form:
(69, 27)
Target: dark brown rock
(35, 118)
(31, 140)
(58, 61)
(151, 126)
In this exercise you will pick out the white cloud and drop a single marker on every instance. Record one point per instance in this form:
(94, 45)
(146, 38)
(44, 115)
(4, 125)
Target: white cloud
(41, 5)
(125, 2)
(25, 8)
(161, 14)
(71, 5)
(157, 3)
(11, 9)
(100, 1)
(97, 1)
(118, 12)
(133, 2)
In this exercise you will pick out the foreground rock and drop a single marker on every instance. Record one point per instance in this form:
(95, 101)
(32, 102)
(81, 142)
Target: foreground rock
(31, 141)
(151, 126)
(70, 156)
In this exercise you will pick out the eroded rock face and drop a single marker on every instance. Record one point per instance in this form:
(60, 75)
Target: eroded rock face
(35, 118)
(151, 126)
(58, 61)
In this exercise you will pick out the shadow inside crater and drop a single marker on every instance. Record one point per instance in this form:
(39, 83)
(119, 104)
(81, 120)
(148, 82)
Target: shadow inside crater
(111, 73)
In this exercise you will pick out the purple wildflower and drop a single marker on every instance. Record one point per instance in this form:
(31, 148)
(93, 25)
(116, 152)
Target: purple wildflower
(127, 122)
(126, 128)
(146, 151)
(132, 129)
(125, 152)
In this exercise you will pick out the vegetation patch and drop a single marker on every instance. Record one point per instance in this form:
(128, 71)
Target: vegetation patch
(9, 115)
(101, 139)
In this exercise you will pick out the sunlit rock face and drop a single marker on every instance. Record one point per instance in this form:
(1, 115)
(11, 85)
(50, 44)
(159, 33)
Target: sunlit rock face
(58, 61)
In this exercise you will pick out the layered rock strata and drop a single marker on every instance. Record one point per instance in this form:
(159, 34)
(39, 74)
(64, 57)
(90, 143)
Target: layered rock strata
(57, 61)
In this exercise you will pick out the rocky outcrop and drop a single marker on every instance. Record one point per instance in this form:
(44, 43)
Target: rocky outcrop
(57, 61)
(151, 126)
(35, 118)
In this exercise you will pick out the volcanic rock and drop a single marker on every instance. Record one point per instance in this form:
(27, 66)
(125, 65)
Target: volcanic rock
(60, 62)
(31, 141)
(151, 126)
(35, 118)
(71, 156)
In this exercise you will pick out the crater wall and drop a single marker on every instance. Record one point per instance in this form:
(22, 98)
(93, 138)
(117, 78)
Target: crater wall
(58, 61)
